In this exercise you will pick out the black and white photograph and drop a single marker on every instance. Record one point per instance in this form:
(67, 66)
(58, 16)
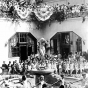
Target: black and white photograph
(43, 43)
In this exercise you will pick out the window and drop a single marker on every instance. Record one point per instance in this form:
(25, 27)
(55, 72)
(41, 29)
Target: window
(79, 44)
(15, 51)
(52, 46)
(23, 37)
(65, 38)
(13, 47)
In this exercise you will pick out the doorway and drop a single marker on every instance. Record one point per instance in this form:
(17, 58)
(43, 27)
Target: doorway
(55, 45)
(65, 52)
(29, 50)
(23, 52)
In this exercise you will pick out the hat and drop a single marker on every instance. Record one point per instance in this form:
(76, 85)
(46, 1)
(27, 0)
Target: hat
(41, 77)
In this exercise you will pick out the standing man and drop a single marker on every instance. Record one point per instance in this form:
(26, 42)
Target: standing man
(5, 68)
(42, 83)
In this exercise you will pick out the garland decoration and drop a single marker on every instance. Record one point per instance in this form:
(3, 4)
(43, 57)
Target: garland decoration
(3, 8)
(23, 12)
(40, 14)
(43, 12)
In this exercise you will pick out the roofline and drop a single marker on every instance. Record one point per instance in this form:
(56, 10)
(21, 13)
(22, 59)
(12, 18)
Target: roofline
(22, 32)
(11, 37)
(53, 35)
(65, 32)
(69, 31)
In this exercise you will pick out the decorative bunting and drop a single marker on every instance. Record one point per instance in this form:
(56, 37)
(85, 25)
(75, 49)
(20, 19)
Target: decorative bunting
(43, 12)
(23, 12)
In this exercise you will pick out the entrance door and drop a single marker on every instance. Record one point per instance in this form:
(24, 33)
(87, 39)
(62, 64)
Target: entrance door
(65, 52)
(23, 52)
(55, 46)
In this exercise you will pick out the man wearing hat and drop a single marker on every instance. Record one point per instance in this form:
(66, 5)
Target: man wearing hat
(4, 68)
(42, 83)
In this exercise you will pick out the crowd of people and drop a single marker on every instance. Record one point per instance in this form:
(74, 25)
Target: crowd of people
(73, 65)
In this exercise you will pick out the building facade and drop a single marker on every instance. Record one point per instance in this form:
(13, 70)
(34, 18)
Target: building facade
(23, 30)
(10, 29)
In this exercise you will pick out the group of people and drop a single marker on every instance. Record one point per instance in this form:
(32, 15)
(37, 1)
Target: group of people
(69, 66)
(73, 65)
